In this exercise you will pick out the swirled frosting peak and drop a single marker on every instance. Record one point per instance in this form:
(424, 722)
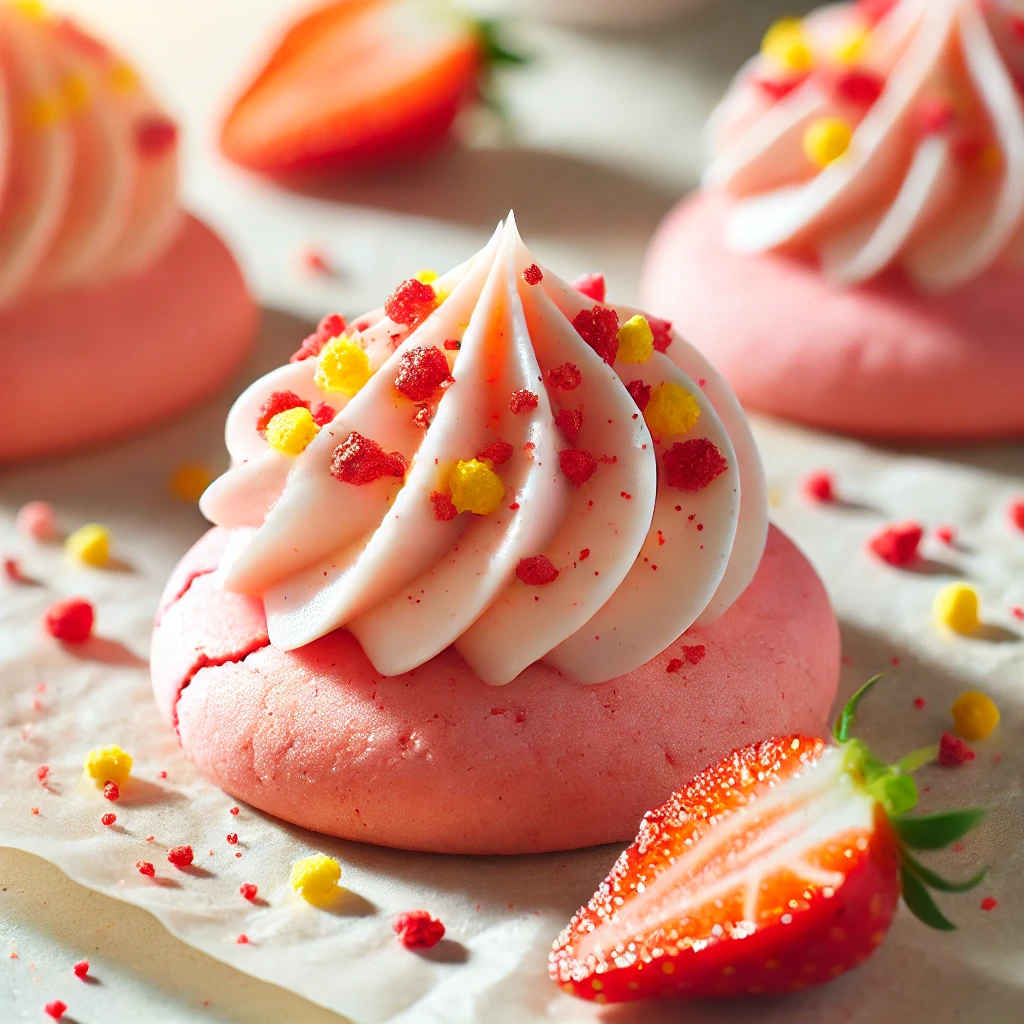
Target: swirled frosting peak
(88, 161)
(884, 133)
(497, 461)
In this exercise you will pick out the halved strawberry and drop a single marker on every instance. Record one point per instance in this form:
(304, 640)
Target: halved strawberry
(775, 870)
(361, 81)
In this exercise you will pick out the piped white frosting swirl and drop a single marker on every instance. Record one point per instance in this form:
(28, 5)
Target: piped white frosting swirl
(933, 179)
(638, 559)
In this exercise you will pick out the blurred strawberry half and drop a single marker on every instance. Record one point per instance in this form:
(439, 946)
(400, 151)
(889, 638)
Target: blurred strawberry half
(775, 870)
(362, 82)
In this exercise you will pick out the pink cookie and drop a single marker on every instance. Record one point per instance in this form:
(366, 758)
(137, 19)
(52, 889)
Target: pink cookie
(149, 346)
(437, 760)
(883, 360)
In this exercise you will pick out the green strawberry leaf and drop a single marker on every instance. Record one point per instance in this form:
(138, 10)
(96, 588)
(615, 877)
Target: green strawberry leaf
(936, 831)
(935, 881)
(897, 793)
(495, 51)
(920, 903)
(844, 723)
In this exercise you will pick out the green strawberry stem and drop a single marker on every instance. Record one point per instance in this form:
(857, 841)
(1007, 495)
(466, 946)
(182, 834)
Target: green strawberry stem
(894, 787)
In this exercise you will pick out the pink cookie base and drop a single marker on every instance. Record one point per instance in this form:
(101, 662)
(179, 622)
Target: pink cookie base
(880, 361)
(81, 367)
(437, 760)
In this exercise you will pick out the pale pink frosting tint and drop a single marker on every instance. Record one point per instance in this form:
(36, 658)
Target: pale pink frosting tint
(376, 560)
(933, 180)
(88, 161)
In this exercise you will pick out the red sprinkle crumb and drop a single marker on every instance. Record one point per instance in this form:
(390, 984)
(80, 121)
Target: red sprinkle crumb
(452, 345)
(358, 460)
(695, 654)
(577, 464)
(599, 328)
(591, 285)
(819, 486)
(897, 544)
(56, 1009)
(418, 930)
(610, 460)
(532, 274)
(989, 903)
(323, 413)
(584, 554)
(514, 507)
(662, 331)
(570, 422)
(444, 508)
(953, 751)
(111, 791)
(640, 393)
(232, 838)
(422, 371)
(34, 810)
(232, 810)
(945, 534)
(81, 969)
(1017, 612)
(332, 326)
(536, 571)
(1016, 512)
(315, 259)
(243, 939)
(935, 116)
(919, 703)
(155, 136)
(145, 868)
(411, 303)
(692, 465)
(43, 774)
(566, 377)
(776, 88)
(859, 86)
(70, 620)
(522, 400)
(674, 665)
(279, 401)
(180, 856)
(108, 819)
(12, 570)
(161, 775)
(248, 891)
(498, 451)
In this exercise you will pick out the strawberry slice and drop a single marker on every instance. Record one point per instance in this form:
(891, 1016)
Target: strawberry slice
(777, 869)
(361, 82)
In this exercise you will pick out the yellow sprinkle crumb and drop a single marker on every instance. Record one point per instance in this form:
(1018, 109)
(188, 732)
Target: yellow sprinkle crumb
(343, 366)
(671, 410)
(31, 9)
(636, 340)
(77, 92)
(188, 481)
(427, 276)
(440, 291)
(45, 111)
(108, 764)
(827, 139)
(786, 45)
(851, 45)
(123, 78)
(90, 544)
(290, 432)
(597, 985)
(974, 715)
(315, 878)
(476, 487)
(956, 606)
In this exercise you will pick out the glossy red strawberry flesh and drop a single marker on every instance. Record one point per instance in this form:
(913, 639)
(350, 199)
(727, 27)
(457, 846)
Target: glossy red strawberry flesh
(769, 873)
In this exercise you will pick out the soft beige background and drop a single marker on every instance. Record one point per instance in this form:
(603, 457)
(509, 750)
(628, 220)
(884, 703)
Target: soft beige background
(604, 135)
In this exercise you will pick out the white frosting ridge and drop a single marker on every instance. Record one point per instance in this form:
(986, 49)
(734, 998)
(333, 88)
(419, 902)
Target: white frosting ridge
(638, 559)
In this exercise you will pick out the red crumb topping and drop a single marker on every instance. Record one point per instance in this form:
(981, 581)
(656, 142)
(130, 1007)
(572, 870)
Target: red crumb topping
(777, 88)
(145, 868)
(1016, 512)
(662, 331)
(919, 702)
(859, 86)
(599, 328)
(108, 819)
(536, 571)
(232, 810)
(953, 751)
(56, 1009)
(248, 890)
(946, 534)
(232, 838)
(569, 421)
(566, 377)
(111, 791)
(532, 274)
(988, 903)
(411, 303)
(12, 570)
(418, 930)
(577, 464)
(444, 507)
(591, 285)
(422, 372)
(70, 620)
(522, 400)
(452, 345)
(358, 460)
(180, 856)
(332, 326)
(498, 451)
(694, 655)
(243, 939)
(43, 773)
(897, 544)
(155, 136)
(935, 116)
(81, 969)
(323, 413)
(819, 486)
(317, 260)
(674, 665)
(640, 393)
(692, 465)
(584, 554)
(279, 401)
